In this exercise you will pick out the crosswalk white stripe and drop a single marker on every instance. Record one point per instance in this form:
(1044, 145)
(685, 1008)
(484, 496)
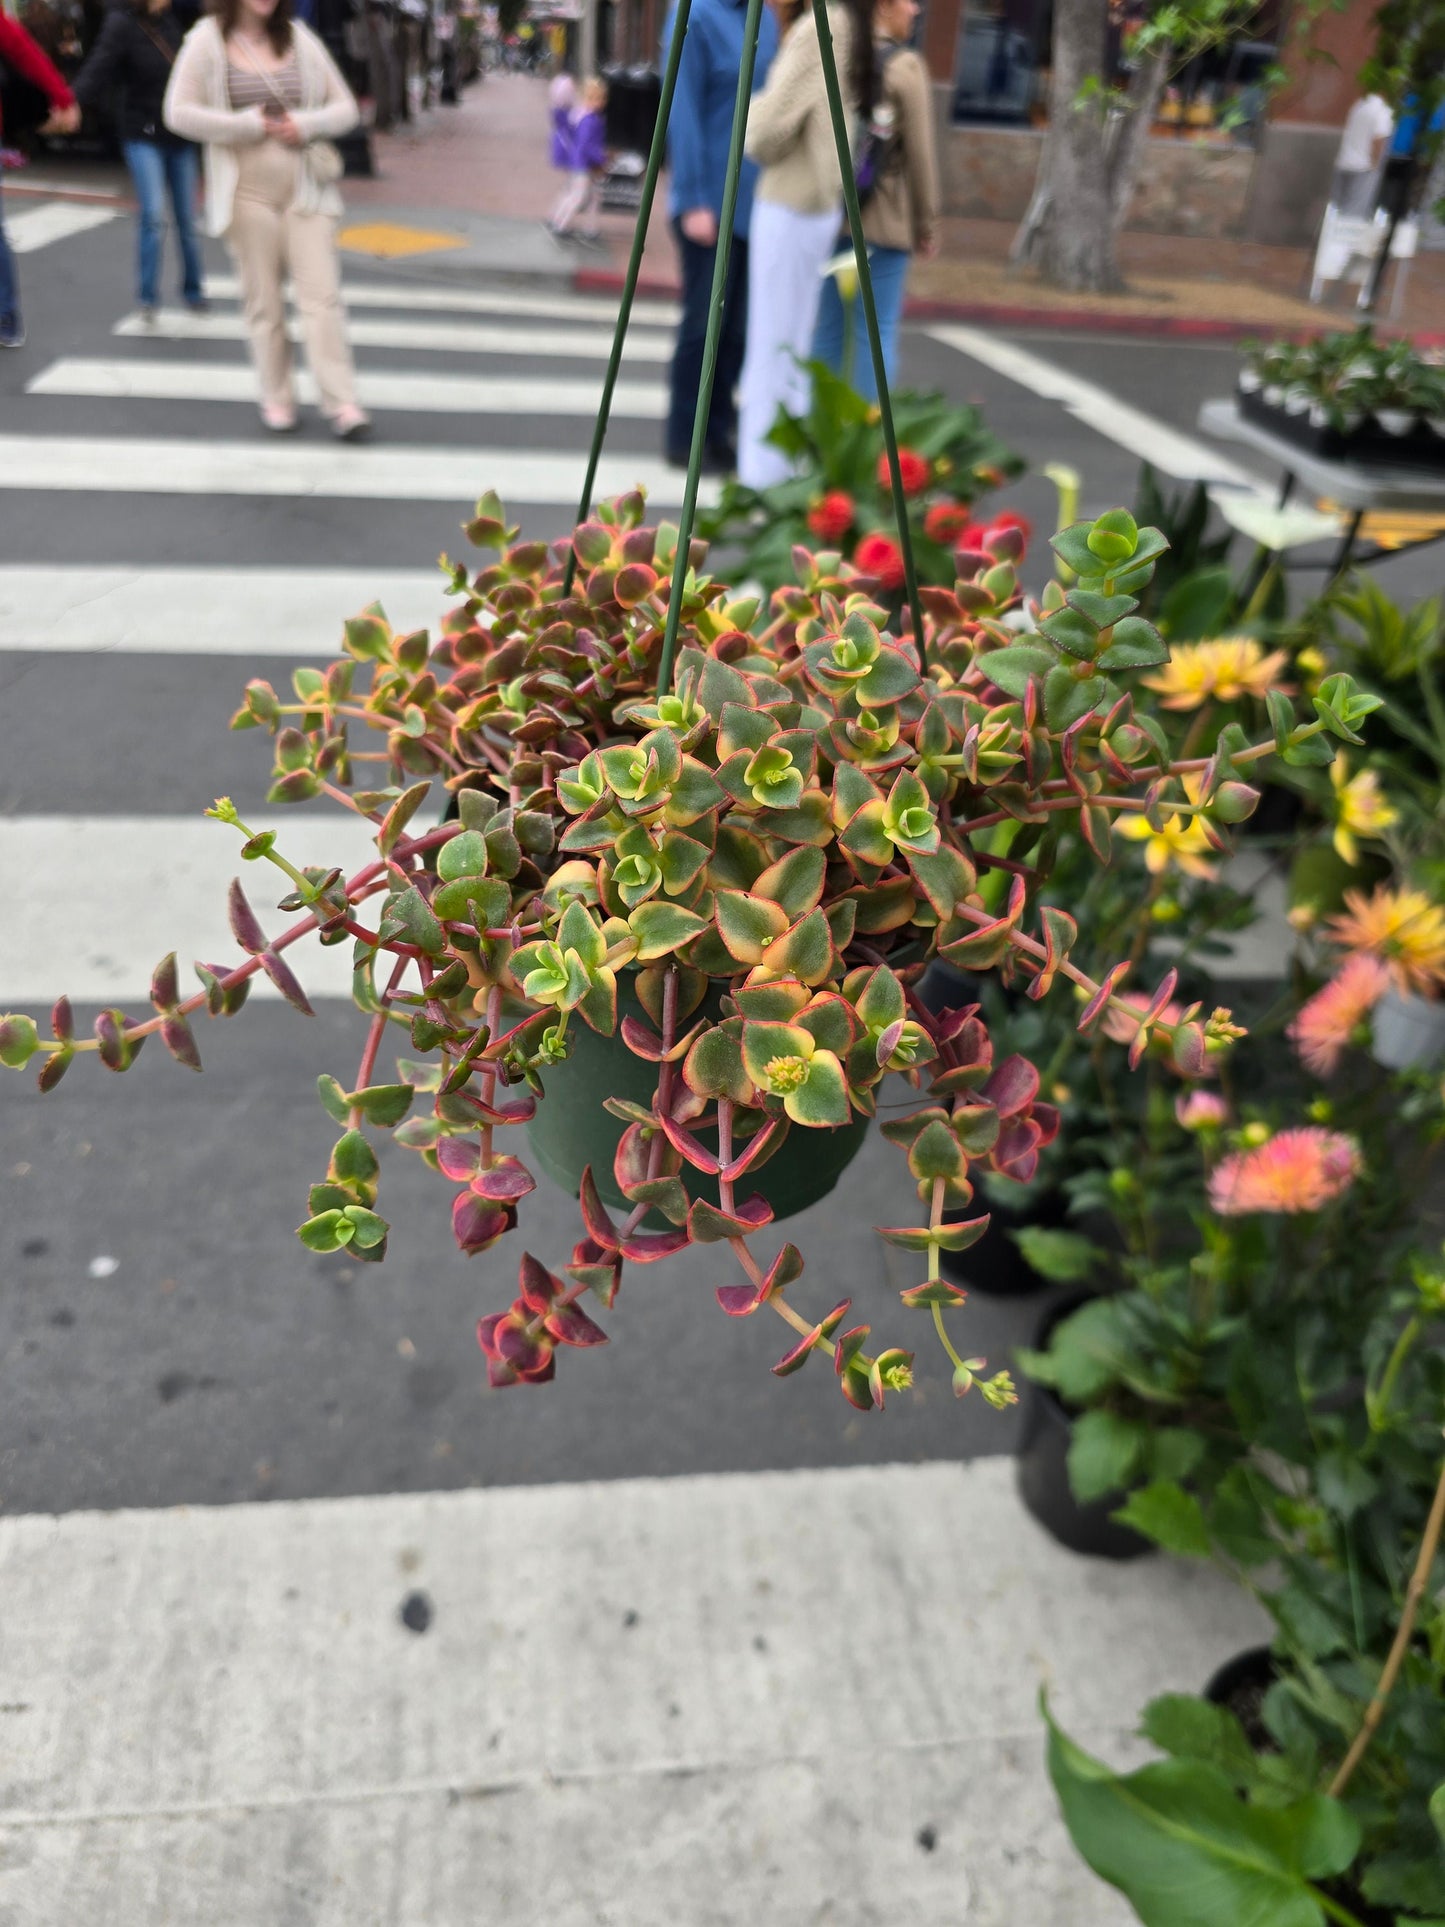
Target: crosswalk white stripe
(380, 389)
(93, 903)
(56, 607)
(426, 337)
(33, 228)
(37, 227)
(1144, 436)
(30, 184)
(423, 299)
(389, 472)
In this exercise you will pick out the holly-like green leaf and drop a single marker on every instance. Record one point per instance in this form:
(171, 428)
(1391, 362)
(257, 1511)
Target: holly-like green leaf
(1012, 669)
(418, 924)
(1104, 1453)
(1186, 1851)
(1173, 1518)
(1135, 644)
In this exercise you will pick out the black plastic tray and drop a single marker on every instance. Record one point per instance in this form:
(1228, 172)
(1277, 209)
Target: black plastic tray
(1368, 443)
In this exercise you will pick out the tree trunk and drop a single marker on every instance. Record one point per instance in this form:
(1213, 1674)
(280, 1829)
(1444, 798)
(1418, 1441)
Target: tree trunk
(1146, 84)
(1069, 230)
(1091, 158)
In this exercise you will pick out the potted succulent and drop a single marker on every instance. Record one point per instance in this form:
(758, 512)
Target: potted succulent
(728, 868)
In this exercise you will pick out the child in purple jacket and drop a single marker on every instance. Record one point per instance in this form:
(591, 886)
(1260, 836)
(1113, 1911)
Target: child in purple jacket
(579, 148)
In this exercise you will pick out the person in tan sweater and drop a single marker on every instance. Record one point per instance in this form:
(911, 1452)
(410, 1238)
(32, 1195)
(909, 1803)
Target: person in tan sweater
(900, 213)
(795, 222)
(266, 100)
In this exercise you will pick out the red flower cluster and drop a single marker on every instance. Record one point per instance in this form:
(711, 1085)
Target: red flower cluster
(946, 522)
(877, 556)
(915, 470)
(831, 517)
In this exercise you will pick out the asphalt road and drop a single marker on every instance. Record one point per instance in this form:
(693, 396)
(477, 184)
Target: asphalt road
(163, 1338)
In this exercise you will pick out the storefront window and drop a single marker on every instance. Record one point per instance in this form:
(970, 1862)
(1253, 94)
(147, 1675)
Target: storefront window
(1001, 74)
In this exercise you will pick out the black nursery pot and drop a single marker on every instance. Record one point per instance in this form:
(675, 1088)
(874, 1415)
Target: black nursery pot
(1239, 1686)
(1042, 1469)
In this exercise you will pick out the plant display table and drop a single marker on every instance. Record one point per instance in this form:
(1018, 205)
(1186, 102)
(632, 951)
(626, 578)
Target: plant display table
(1358, 487)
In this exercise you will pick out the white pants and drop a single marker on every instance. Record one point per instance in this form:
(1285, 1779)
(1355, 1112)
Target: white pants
(580, 196)
(786, 253)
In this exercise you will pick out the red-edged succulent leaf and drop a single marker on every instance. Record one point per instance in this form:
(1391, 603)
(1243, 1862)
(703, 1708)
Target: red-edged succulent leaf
(165, 984)
(458, 1158)
(1099, 1002)
(540, 1288)
(756, 1145)
(1187, 1050)
(284, 978)
(245, 926)
(596, 1270)
(707, 1225)
(600, 1227)
(528, 1352)
(1013, 1086)
(738, 1301)
(177, 1038)
(504, 1181)
(794, 1360)
(641, 1041)
(62, 1019)
(570, 1325)
(696, 1153)
(646, 1247)
(477, 1223)
(933, 1291)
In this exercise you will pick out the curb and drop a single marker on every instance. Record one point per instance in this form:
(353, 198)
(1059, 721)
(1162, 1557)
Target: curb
(1071, 320)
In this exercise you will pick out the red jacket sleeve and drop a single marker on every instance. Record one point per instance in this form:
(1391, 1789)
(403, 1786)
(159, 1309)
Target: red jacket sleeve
(19, 51)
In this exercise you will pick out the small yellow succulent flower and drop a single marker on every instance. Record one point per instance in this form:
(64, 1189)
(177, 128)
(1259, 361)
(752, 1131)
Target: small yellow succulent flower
(1220, 671)
(1361, 808)
(1181, 842)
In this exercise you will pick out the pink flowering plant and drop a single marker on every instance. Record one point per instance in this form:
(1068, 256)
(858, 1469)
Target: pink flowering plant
(727, 864)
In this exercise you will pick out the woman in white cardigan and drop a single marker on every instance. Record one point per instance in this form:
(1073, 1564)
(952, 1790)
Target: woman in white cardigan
(797, 209)
(264, 98)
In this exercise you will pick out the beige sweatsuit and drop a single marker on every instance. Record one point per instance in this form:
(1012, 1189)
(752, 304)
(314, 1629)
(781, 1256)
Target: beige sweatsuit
(275, 215)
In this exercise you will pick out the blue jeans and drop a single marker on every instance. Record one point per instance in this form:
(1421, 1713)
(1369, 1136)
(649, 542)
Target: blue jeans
(155, 167)
(697, 266)
(888, 268)
(9, 291)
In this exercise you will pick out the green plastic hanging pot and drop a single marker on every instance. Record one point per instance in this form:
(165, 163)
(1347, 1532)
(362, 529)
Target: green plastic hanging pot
(572, 1127)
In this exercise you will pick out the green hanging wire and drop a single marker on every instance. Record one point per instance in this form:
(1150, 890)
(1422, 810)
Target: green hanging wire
(870, 315)
(634, 265)
(710, 344)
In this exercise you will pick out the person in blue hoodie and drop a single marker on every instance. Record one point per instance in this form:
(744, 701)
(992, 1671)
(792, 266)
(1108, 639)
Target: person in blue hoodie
(698, 132)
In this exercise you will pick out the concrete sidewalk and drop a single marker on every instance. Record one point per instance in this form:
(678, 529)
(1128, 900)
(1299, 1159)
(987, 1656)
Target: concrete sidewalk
(487, 158)
(782, 1698)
